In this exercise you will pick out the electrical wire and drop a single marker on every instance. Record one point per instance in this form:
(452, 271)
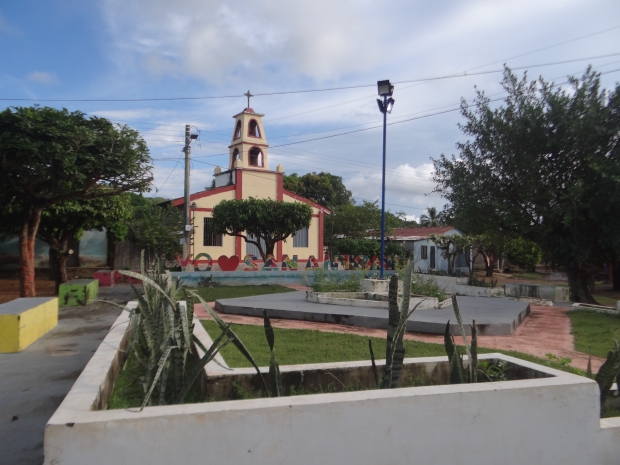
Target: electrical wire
(305, 91)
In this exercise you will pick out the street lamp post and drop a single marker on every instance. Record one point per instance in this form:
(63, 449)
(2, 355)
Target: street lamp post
(385, 90)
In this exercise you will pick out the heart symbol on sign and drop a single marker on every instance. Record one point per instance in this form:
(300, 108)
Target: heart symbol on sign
(228, 264)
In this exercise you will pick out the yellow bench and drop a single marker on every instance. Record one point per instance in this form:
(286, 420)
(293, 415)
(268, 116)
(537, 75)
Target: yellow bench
(23, 321)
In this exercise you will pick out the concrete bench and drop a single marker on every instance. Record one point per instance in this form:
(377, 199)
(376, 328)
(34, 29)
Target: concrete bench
(78, 292)
(123, 279)
(106, 277)
(24, 320)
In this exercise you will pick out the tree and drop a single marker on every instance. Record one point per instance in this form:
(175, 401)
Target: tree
(323, 188)
(431, 220)
(523, 253)
(68, 220)
(48, 156)
(545, 166)
(155, 228)
(260, 221)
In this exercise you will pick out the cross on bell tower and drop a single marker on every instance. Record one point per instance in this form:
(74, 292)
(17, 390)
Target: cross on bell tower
(248, 95)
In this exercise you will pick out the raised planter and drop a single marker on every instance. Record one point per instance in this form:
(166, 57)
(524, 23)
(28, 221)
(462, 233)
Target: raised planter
(548, 417)
(78, 292)
(372, 300)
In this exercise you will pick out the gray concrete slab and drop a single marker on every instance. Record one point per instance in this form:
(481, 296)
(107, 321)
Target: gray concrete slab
(34, 382)
(494, 316)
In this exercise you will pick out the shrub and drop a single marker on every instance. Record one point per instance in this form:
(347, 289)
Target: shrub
(333, 281)
(427, 287)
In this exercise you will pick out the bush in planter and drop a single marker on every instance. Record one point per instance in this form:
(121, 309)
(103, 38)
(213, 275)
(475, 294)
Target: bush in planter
(161, 337)
(330, 281)
(427, 287)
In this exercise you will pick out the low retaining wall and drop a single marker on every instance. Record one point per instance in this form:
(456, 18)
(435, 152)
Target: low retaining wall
(552, 419)
(249, 278)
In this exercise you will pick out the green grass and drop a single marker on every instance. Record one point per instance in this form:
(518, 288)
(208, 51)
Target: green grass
(594, 332)
(298, 346)
(607, 301)
(210, 294)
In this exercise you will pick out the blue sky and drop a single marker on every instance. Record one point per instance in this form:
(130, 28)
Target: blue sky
(139, 49)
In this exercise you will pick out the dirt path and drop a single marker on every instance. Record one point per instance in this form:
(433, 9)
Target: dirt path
(546, 330)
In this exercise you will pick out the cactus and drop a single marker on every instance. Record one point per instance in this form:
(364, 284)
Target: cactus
(457, 371)
(609, 371)
(397, 323)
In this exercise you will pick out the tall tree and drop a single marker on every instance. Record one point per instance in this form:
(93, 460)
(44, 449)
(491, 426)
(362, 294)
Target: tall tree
(261, 221)
(323, 188)
(154, 227)
(545, 165)
(431, 220)
(48, 156)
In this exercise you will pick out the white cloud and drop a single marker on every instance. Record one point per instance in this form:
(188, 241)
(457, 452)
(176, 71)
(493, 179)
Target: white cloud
(43, 77)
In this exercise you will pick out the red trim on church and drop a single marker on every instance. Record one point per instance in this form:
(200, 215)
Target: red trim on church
(321, 234)
(200, 195)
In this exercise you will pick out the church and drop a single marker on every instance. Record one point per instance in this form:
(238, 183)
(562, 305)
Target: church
(248, 175)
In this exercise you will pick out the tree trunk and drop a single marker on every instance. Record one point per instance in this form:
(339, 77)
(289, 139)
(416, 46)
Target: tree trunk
(27, 237)
(579, 285)
(489, 260)
(58, 263)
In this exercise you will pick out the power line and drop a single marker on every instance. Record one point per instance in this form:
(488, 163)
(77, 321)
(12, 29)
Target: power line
(327, 89)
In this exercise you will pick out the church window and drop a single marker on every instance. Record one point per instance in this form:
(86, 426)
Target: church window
(256, 157)
(253, 129)
(235, 157)
(238, 130)
(300, 239)
(211, 239)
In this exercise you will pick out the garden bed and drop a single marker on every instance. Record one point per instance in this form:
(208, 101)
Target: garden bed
(509, 422)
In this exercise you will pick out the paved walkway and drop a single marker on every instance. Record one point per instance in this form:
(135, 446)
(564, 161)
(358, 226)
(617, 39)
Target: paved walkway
(35, 381)
(546, 330)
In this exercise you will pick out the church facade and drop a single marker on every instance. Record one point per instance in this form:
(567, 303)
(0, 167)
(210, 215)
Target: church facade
(249, 175)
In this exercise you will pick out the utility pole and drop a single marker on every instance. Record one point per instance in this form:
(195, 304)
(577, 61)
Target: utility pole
(186, 225)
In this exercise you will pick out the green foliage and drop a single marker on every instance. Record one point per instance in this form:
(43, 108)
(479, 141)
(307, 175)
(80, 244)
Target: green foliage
(432, 219)
(544, 166)
(396, 249)
(274, 369)
(155, 227)
(523, 253)
(427, 287)
(494, 371)
(265, 219)
(322, 188)
(333, 281)
(458, 374)
(161, 338)
(397, 324)
(609, 372)
(353, 221)
(49, 156)
(355, 247)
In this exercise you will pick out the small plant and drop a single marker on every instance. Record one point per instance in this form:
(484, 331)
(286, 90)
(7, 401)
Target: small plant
(474, 281)
(275, 377)
(609, 372)
(494, 371)
(397, 323)
(427, 287)
(330, 281)
(457, 370)
(161, 337)
(563, 362)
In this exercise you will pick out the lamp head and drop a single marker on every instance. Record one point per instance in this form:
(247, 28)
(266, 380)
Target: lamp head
(384, 88)
(390, 105)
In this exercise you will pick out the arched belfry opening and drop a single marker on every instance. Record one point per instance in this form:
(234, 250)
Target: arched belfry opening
(237, 130)
(256, 157)
(253, 129)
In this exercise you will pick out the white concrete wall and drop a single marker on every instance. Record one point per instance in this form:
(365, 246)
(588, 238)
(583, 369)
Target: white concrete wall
(551, 420)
